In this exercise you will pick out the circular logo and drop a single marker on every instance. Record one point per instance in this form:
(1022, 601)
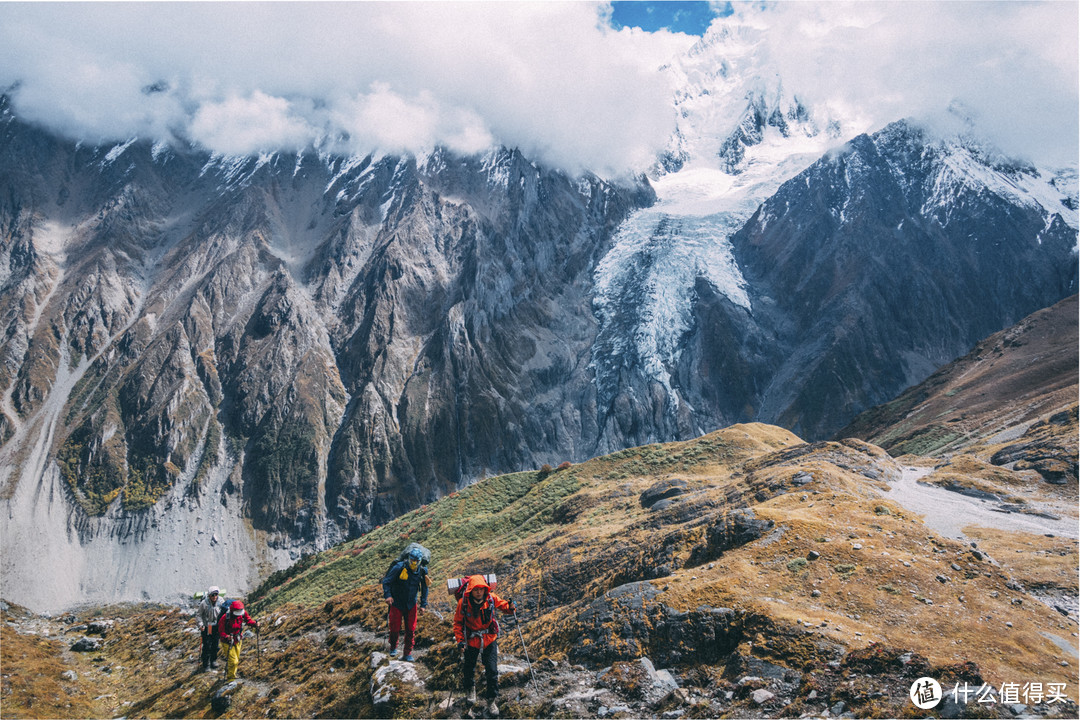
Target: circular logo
(925, 693)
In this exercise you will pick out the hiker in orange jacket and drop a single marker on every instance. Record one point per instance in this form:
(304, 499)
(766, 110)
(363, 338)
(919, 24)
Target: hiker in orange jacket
(231, 629)
(477, 632)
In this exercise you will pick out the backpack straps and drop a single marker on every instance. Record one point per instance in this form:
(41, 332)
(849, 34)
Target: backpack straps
(486, 613)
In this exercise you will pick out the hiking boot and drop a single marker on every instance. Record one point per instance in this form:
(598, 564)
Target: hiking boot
(393, 652)
(492, 709)
(471, 697)
(213, 665)
(408, 658)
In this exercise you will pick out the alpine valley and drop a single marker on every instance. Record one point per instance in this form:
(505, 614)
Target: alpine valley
(213, 366)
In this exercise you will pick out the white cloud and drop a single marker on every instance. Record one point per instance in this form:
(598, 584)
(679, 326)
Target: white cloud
(244, 126)
(386, 120)
(1012, 65)
(549, 78)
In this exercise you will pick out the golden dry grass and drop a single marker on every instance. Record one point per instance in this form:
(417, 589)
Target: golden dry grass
(1035, 560)
(870, 595)
(875, 579)
(32, 685)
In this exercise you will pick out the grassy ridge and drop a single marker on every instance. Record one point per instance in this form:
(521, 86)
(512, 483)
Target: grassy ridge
(494, 517)
(495, 514)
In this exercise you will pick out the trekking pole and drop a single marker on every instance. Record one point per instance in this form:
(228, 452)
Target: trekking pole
(517, 624)
(258, 649)
(450, 697)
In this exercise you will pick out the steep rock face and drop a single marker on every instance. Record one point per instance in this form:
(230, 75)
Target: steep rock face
(883, 261)
(858, 277)
(467, 333)
(1012, 399)
(314, 343)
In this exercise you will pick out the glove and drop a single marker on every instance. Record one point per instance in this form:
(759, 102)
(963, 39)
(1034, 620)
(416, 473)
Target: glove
(513, 607)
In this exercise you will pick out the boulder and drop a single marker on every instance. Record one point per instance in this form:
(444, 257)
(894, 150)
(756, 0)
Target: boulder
(627, 623)
(729, 531)
(761, 696)
(663, 490)
(86, 644)
(393, 682)
(221, 701)
(659, 684)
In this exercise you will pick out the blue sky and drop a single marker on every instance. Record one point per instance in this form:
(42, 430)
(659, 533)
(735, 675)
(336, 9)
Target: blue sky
(692, 18)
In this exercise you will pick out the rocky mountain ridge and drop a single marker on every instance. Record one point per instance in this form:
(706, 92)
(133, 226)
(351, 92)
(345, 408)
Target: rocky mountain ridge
(174, 339)
(1031, 365)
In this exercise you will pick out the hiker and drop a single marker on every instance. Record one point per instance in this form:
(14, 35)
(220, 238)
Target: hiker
(400, 585)
(207, 614)
(477, 631)
(231, 629)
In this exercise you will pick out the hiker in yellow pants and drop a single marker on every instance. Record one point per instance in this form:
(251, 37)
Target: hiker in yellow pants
(231, 628)
(234, 659)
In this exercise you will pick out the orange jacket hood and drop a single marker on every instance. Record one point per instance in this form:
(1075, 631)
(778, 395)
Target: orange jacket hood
(476, 581)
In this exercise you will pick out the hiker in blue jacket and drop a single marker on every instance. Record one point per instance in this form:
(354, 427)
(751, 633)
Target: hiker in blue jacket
(403, 581)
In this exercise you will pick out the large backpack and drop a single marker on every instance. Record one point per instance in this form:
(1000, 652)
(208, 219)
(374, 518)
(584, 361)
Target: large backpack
(456, 586)
(425, 556)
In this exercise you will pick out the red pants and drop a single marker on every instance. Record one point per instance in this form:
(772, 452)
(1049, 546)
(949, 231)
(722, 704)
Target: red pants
(396, 617)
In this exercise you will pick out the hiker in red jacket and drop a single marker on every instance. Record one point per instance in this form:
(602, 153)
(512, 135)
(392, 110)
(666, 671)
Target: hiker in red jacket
(231, 629)
(477, 632)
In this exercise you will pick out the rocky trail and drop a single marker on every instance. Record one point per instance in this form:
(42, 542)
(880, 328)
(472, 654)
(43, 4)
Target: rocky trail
(948, 512)
(332, 661)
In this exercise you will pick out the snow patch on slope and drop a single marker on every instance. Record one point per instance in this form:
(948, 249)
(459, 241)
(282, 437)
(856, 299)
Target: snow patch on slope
(740, 135)
(645, 285)
(50, 238)
(1027, 188)
(114, 154)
